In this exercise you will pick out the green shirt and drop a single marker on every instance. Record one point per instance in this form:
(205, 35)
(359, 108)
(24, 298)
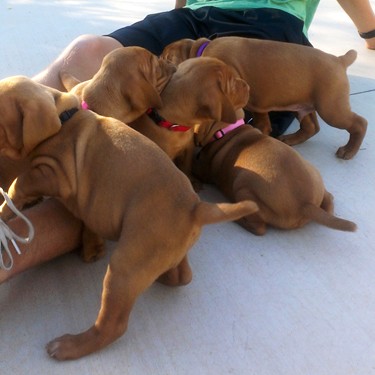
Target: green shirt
(302, 9)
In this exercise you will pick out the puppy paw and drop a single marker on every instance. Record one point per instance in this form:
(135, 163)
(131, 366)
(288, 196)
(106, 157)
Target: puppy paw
(345, 153)
(63, 348)
(93, 246)
(91, 255)
(197, 185)
(292, 139)
(255, 227)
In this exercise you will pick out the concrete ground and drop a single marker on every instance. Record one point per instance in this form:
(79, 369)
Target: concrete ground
(290, 303)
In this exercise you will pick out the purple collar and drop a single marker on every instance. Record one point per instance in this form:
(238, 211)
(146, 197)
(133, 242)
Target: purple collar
(202, 48)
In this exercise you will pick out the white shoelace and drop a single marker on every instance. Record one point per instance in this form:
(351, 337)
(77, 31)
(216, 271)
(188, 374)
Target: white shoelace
(7, 234)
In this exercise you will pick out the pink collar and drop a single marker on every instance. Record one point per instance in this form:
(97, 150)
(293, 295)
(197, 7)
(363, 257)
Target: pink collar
(220, 133)
(84, 105)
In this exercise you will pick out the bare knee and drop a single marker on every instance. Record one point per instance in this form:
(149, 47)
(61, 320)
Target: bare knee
(92, 47)
(81, 58)
(85, 54)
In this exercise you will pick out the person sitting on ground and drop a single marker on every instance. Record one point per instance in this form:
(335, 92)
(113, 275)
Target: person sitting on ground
(56, 230)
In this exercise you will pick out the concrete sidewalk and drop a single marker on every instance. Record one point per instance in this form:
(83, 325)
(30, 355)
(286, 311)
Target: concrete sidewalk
(296, 302)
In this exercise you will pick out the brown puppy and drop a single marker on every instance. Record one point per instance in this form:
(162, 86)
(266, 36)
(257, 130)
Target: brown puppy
(202, 91)
(128, 82)
(285, 76)
(124, 188)
(246, 164)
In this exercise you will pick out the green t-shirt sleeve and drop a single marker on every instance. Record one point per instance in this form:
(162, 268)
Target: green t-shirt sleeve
(302, 9)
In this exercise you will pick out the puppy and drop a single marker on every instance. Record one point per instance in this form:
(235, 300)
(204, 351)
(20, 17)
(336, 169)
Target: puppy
(128, 82)
(202, 92)
(246, 164)
(287, 77)
(124, 188)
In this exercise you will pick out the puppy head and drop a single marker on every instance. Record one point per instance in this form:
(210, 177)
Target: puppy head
(204, 90)
(28, 115)
(128, 82)
(179, 51)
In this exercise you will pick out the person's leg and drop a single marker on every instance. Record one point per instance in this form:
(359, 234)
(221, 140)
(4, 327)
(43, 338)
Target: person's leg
(82, 58)
(57, 232)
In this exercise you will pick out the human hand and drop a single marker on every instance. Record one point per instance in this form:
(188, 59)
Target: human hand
(370, 43)
(180, 4)
(369, 37)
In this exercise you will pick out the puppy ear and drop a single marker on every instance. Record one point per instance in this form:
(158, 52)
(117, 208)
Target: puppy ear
(179, 51)
(153, 77)
(236, 95)
(156, 76)
(137, 101)
(228, 112)
(40, 122)
(238, 91)
(36, 121)
(164, 71)
(217, 110)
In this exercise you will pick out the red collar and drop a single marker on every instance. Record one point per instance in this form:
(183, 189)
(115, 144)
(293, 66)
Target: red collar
(160, 121)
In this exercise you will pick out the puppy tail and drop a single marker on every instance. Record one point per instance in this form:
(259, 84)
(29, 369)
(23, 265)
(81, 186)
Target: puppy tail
(323, 217)
(210, 213)
(348, 58)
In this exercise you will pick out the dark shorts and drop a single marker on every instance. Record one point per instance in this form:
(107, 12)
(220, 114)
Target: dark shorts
(158, 30)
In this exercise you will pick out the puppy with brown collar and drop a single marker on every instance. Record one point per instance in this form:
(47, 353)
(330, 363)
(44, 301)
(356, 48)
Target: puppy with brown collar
(286, 77)
(123, 187)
